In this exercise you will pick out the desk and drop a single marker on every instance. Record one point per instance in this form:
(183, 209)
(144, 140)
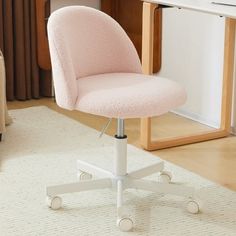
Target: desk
(149, 7)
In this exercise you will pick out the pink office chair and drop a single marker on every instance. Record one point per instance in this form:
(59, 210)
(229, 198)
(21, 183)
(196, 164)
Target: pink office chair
(96, 70)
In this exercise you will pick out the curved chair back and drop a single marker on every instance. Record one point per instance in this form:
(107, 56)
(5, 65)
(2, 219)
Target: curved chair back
(85, 42)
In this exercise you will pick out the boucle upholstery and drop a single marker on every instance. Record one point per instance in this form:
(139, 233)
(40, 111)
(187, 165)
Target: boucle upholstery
(5, 119)
(128, 95)
(83, 42)
(96, 68)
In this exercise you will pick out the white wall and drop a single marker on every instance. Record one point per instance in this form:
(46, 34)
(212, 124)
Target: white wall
(193, 45)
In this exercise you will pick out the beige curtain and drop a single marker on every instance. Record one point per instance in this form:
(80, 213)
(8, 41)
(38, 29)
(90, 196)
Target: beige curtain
(4, 117)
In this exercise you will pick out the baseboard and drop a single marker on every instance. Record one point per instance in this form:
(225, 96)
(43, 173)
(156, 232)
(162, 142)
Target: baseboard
(196, 117)
(200, 119)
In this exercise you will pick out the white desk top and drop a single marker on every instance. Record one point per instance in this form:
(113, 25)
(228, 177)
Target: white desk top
(202, 6)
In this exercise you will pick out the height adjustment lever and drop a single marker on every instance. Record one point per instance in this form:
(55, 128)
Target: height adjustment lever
(104, 129)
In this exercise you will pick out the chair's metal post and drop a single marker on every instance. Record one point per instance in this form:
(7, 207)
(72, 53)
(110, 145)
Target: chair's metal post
(120, 128)
(120, 165)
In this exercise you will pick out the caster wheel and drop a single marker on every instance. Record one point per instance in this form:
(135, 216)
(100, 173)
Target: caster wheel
(81, 175)
(54, 203)
(193, 206)
(125, 224)
(165, 177)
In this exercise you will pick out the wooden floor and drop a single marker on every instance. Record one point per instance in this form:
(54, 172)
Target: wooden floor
(214, 160)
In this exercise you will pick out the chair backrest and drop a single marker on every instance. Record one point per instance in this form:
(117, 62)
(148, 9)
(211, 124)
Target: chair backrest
(84, 42)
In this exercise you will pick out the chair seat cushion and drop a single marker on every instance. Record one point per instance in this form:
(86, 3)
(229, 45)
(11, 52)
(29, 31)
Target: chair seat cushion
(128, 95)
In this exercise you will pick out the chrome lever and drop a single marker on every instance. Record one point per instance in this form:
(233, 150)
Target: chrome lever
(105, 127)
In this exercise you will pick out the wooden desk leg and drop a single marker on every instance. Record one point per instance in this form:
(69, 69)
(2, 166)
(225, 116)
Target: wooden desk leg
(147, 63)
(227, 90)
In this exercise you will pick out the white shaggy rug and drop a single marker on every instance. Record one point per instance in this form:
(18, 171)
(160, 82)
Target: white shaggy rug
(41, 148)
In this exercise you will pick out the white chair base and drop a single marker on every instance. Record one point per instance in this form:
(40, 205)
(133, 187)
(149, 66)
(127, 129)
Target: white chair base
(121, 180)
